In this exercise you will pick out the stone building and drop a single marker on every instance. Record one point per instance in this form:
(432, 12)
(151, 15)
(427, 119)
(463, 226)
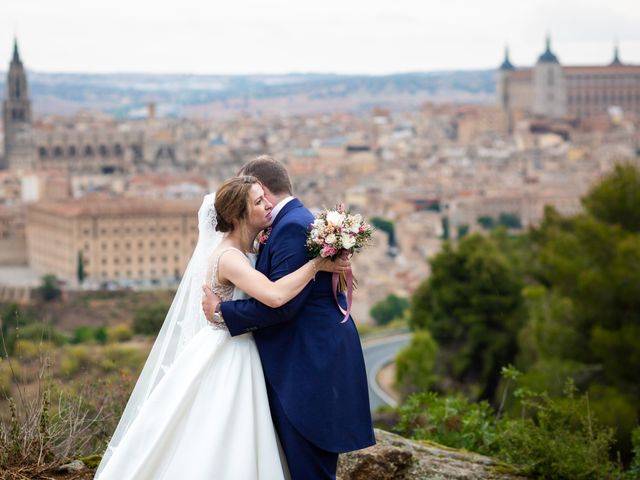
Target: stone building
(554, 90)
(129, 242)
(16, 115)
(13, 249)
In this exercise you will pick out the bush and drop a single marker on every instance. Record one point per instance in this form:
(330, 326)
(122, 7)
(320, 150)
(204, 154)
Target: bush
(552, 438)
(37, 333)
(119, 357)
(119, 333)
(83, 334)
(49, 289)
(5, 377)
(557, 438)
(634, 468)
(30, 350)
(149, 319)
(415, 364)
(450, 420)
(389, 309)
(101, 335)
(11, 372)
(75, 357)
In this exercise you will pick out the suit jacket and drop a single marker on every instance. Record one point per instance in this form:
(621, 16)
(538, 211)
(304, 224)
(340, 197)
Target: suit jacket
(313, 363)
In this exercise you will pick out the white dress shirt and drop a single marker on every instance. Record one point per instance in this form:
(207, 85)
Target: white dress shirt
(276, 208)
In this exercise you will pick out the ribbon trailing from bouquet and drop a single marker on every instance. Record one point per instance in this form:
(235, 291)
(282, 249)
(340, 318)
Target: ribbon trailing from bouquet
(335, 280)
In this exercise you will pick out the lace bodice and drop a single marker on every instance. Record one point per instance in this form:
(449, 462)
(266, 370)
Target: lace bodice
(223, 291)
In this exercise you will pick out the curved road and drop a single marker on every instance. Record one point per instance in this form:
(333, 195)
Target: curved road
(377, 354)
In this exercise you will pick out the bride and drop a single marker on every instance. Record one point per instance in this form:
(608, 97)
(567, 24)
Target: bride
(199, 409)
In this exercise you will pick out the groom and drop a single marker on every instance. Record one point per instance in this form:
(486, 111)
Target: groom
(312, 363)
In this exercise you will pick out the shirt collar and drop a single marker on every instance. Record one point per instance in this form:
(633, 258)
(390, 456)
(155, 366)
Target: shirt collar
(276, 209)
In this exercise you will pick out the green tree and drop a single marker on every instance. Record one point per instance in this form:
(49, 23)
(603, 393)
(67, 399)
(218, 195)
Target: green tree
(101, 335)
(616, 200)
(415, 364)
(389, 309)
(387, 227)
(486, 222)
(149, 319)
(80, 272)
(510, 220)
(445, 228)
(471, 304)
(584, 313)
(49, 289)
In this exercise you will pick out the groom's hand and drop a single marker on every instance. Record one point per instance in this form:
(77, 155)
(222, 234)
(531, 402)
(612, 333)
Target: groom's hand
(209, 302)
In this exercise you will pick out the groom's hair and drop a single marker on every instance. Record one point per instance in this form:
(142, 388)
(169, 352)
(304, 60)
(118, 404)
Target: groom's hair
(270, 172)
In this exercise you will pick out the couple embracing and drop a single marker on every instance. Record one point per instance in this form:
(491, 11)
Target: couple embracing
(257, 378)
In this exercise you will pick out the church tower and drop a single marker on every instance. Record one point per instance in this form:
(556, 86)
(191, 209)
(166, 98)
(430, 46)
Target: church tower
(19, 151)
(550, 96)
(503, 87)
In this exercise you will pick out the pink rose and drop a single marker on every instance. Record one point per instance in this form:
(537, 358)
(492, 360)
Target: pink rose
(328, 251)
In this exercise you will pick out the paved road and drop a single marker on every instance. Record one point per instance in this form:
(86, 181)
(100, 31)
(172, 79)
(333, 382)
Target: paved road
(377, 354)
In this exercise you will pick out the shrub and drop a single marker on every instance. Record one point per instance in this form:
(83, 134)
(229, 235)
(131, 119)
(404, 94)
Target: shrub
(5, 377)
(554, 438)
(75, 357)
(27, 349)
(83, 334)
(634, 468)
(119, 333)
(49, 289)
(449, 420)
(37, 333)
(120, 357)
(148, 319)
(389, 309)
(557, 438)
(101, 335)
(415, 364)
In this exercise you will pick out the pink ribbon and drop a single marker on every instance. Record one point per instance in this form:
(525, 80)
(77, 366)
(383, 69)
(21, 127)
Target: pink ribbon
(334, 282)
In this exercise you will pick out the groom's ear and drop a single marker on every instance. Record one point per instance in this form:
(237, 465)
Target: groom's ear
(268, 194)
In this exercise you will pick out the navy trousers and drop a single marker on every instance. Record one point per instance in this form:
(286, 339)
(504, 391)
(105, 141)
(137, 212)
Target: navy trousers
(305, 460)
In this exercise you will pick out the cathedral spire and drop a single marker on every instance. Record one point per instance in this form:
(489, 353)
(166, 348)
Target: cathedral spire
(16, 54)
(548, 56)
(616, 55)
(506, 64)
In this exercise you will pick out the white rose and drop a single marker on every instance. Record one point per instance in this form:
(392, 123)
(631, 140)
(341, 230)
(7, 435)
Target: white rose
(355, 228)
(335, 218)
(347, 241)
(331, 239)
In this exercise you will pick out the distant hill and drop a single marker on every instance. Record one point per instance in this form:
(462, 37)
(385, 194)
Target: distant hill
(126, 95)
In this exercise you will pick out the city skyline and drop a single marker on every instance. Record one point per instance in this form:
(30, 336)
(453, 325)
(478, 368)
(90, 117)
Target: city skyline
(285, 37)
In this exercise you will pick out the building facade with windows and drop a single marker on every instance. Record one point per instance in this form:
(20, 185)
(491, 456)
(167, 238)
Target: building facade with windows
(128, 242)
(555, 90)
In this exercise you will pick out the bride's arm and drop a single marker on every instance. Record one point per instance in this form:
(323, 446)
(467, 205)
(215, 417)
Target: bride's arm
(235, 268)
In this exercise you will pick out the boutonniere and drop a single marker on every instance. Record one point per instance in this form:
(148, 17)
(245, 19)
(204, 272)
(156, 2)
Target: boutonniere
(264, 236)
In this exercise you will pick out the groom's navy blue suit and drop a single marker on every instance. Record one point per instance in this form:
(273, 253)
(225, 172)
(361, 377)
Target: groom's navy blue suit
(312, 363)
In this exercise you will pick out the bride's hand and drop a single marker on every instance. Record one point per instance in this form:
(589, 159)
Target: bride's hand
(339, 265)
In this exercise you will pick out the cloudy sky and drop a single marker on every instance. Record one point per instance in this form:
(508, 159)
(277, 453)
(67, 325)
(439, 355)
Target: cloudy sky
(281, 36)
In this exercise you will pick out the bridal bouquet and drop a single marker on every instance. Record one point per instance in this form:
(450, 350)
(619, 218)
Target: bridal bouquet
(338, 233)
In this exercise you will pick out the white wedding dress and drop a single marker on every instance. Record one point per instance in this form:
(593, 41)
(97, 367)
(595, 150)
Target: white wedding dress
(207, 418)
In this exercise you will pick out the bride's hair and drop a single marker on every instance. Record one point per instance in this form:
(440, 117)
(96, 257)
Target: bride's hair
(232, 200)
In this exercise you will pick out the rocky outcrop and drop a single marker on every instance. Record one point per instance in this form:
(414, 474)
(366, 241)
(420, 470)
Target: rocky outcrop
(397, 458)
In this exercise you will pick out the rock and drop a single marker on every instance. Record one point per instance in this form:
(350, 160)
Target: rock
(75, 466)
(397, 458)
